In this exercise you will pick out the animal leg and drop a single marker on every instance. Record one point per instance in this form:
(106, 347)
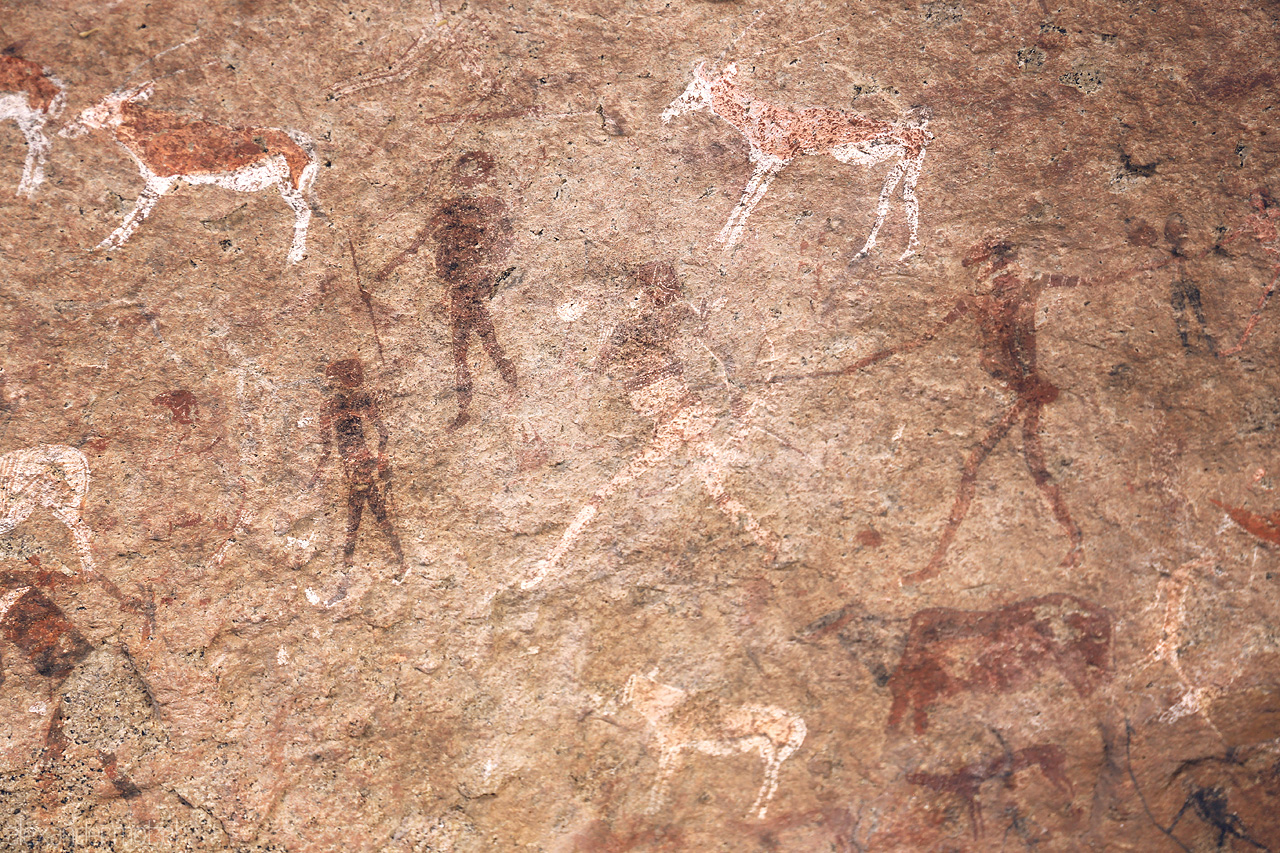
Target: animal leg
(964, 494)
(70, 516)
(772, 764)
(648, 458)
(151, 193)
(751, 195)
(302, 218)
(882, 208)
(32, 127)
(912, 205)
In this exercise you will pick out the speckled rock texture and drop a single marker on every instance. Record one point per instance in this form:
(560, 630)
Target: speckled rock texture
(639, 426)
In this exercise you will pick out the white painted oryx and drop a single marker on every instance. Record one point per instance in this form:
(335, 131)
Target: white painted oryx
(53, 476)
(30, 96)
(172, 149)
(777, 135)
(682, 721)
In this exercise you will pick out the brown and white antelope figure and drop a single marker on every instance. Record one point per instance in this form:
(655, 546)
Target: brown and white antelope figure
(172, 149)
(682, 721)
(53, 476)
(30, 96)
(777, 135)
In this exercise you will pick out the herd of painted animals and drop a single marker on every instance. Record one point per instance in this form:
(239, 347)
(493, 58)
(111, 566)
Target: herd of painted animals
(1063, 633)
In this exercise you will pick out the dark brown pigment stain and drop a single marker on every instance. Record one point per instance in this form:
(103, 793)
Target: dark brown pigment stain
(348, 415)
(966, 782)
(996, 651)
(26, 77)
(173, 145)
(1184, 293)
(37, 626)
(123, 784)
(473, 236)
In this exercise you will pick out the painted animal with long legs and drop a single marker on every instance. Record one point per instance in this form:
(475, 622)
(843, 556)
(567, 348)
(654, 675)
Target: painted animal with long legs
(30, 96)
(777, 135)
(52, 476)
(172, 149)
(683, 722)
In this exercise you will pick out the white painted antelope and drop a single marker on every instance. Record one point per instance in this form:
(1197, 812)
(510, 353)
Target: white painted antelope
(682, 721)
(172, 149)
(31, 96)
(53, 476)
(777, 135)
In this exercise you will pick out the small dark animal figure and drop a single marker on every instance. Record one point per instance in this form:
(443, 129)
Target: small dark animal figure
(997, 651)
(181, 403)
(966, 781)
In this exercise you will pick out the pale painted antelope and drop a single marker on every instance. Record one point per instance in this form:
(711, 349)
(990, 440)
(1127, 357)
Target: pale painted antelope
(30, 96)
(53, 476)
(777, 135)
(172, 149)
(682, 721)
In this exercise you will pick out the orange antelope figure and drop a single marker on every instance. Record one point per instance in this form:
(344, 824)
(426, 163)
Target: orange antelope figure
(30, 96)
(171, 149)
(778, 135)
(683, 721)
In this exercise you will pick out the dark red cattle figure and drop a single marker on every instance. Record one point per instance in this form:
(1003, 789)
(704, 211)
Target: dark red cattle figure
(949, 652)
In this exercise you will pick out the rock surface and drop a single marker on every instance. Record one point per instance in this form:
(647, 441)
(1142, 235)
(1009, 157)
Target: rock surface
(452, 487)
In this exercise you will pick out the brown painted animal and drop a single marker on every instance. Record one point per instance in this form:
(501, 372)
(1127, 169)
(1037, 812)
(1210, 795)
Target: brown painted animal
(30, 96)
(949, 652)
(172, 149)
(968, 780)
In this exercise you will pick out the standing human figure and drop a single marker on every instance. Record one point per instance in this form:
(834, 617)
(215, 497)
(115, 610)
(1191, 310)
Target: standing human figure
(349, 414)
(473, 235)
(1005, 315)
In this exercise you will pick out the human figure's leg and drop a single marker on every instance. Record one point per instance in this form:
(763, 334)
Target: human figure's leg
(712, 477)
(964, 494)
(484, 329)
(648, 458)
(378, 505)
(357, 494)
(1033, 452)
(460, 324)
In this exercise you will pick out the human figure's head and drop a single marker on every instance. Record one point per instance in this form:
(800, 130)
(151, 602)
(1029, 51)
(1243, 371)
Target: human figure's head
(659, 281)
(473, 168)
(348, 372)
(998, 250)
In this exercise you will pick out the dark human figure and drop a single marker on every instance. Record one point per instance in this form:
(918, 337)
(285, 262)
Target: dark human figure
(473, 235)
(1004, 313)
(350, 412)
(1184, 293)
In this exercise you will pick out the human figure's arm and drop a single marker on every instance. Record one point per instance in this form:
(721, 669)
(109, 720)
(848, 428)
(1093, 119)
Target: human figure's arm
(326, 444)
